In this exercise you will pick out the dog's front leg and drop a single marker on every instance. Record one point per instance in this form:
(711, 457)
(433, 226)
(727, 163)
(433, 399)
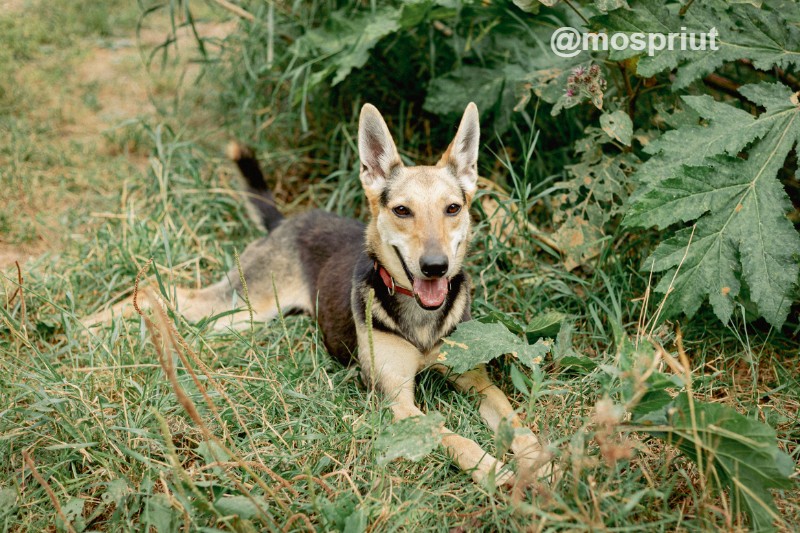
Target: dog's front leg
(532, 459)
(390, 366)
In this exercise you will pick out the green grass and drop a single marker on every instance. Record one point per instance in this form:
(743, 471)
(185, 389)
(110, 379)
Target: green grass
(287, 438)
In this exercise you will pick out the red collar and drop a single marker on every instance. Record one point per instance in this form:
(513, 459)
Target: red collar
(388, 280)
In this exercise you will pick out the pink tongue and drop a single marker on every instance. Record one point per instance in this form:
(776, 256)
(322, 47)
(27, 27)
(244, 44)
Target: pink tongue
(431, 292)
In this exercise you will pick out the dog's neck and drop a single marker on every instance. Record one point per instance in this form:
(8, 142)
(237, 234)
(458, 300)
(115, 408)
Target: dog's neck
(389, 283)
(402, 315)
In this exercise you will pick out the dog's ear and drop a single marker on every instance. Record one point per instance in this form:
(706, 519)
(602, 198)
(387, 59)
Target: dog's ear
(376, 149)
(462, 154)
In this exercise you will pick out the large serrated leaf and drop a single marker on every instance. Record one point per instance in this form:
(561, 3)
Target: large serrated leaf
(743, 453)
(474, 343)
(744, 31)
(742, 233)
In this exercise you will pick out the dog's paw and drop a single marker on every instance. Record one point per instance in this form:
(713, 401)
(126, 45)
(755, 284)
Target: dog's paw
(505, 478)
(493, 474)
(534, 462)
(548, 472)
(539, 469)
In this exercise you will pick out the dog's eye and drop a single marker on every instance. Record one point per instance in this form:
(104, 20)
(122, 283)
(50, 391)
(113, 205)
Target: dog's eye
(402, 211)
(453, 209)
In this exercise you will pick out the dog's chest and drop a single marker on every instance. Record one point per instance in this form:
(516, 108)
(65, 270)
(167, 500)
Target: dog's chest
(422, 328)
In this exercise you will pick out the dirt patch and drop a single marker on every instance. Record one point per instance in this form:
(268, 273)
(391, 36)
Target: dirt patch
(11, 6)
(108, 86)
(122, 85)
(10, 253)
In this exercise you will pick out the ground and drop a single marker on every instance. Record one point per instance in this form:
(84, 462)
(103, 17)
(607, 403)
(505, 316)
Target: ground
(80, 104)
(112, 156)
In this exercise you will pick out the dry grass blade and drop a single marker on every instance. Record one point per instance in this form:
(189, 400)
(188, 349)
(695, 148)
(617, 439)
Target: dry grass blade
(23, 311)
(48, 489)
(165, 335)
(236, 10)
(294, 518)
(659, 310)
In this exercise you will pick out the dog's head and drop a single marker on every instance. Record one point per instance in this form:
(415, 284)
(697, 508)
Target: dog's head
(420, 214)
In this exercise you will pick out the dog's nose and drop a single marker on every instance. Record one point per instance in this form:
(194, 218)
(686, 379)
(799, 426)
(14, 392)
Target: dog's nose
(433, 266)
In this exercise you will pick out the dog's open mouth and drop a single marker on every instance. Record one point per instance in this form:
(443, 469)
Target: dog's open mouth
(430, 293)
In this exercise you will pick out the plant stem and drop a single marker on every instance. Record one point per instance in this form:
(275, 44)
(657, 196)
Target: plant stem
(585, 20)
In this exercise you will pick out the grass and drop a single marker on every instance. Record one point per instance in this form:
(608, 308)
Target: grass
(261, 429)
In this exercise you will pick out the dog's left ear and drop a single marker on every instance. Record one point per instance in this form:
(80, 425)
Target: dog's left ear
(462, 154)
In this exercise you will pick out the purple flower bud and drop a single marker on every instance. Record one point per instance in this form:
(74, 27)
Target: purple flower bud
(570, 93)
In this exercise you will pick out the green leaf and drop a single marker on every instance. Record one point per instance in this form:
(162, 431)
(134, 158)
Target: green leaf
(593, 195)
(505, 319)
(528, 6)
(729, 132)
(356, 522)
(474, 343)
(743, 454)
(742, 235)
(519, 380)
(617, 125)
(696, 191)
(494, 90)
(580, 362)
(241, 506)
(211, 452)
(610, 5)
(563, 345)
(8, 497)
(653, 400)
(635, 360)
(449, 94)
(411, 438)
(159, 514)
(73, 512)
(546, 324)
(116, 491)
(347, 39)
(744, 32)
(503, 437)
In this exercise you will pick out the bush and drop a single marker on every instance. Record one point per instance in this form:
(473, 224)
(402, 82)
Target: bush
(696, 144)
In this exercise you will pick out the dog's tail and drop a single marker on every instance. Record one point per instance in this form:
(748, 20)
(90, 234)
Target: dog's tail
(260, 196)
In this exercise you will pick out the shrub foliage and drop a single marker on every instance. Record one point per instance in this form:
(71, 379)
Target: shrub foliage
(696, 144)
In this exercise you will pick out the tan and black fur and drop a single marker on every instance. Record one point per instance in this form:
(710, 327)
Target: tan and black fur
(326, 265)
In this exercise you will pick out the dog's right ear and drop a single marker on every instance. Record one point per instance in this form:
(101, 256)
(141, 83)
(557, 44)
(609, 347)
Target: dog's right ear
(377, 151)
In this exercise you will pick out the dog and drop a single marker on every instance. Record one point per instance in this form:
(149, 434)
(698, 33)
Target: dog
(405, 264)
